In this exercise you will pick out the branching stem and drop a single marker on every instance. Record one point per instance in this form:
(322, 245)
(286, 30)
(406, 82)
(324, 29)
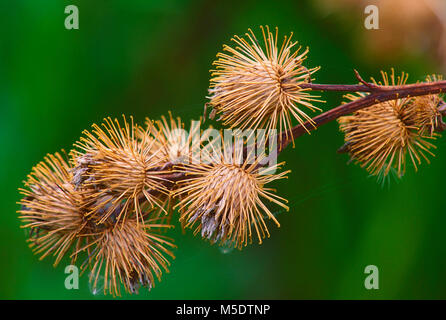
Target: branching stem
(377, 94)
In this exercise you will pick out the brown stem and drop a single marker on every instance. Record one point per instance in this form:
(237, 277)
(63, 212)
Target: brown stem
(336, 87)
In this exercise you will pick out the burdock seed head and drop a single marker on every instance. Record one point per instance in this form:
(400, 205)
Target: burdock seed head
(381, 137)
(257, 86)
(51, 209)
(121, 163)
(133, 254)
(225, 198)
(423, 111)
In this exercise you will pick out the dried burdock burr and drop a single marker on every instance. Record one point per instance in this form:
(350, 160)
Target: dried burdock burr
(383, 136)
(424, 111)
(255, 86)
(51, 209)
(224, 199)
(134, 254)
(121, 163)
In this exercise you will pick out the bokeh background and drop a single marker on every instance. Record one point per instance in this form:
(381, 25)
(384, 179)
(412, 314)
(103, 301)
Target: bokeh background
(145, 57)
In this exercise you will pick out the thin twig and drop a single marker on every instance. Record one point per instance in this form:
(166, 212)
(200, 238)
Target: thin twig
(372, 86)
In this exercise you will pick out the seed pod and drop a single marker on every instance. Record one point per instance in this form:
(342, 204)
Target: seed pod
(133, 253)
(254, 87)
(51, 209)
(422, 111)
(380, 137)
(120, 167)
(224, 199)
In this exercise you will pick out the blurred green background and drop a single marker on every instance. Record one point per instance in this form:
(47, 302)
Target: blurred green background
(143, 58)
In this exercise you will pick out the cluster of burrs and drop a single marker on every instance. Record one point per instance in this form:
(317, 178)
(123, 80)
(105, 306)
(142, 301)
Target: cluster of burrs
(108, 203)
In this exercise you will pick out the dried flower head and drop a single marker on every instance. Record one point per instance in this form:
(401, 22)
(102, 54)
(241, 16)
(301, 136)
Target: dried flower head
(133, 254)
(381, 136)
(423, 110)
(254, 87)
(121, 168)
(51, 208)
(224, 198)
